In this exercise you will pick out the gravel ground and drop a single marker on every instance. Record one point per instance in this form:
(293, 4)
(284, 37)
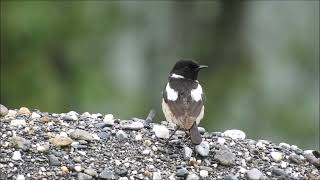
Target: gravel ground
(41, 145)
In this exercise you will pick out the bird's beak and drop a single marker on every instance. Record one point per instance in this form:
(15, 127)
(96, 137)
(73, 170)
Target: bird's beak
(202, 66)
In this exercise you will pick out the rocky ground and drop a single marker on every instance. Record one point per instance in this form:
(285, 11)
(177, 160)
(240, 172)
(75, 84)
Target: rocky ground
(41, 145)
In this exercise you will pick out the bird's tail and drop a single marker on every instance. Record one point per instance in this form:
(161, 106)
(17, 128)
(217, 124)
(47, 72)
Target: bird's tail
(195, 134)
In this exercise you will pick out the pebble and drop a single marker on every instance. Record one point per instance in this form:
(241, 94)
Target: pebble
(276, 156)
(161, 131)
(20, 143)
(135, 125)
(44, 119)
(18, 122)
(123, 178)
(108, 119)
(61, 141)
(230, 177)
(235, 134)
(16, 155)
(146, 151)
(156, 176)
(91, 172)
(80, 134)
(203, 148)
(101, 125)
(284, 145)
(53, 160)
(71, 116)
(11, 113)
(295, 158)
(77, 168)
(35, 115)
(201, 130)
(121, 135)
(183, 172)
(85, 115)
(254, 174)
(225, 157)
(65, 169)
(187, 153)
(121, 171)
(104, 135)
(20, 177)
(204, 173)
(278, 172)
(3, 110)
(192, 177)
(107, 174)
(221, 140)
(82, 176)
(24, 111)
(43, 148)
(138, 137)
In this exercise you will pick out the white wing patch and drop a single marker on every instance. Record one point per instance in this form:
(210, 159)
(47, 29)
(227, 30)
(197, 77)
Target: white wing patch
(172, 95)
(196, 93)
(176, 76)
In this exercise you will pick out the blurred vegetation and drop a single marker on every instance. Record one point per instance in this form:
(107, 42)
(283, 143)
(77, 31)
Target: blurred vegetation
(114, 57)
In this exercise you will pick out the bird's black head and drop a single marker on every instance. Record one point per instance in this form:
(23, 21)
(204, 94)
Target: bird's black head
(187, 68)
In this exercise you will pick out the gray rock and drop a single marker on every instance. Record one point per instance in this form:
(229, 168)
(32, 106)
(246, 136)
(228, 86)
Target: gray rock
(104, 135)
(53, 160)
(295, 158)
(230, 177)
(81, 135)
(71, 116)
(121, 171)
(107, 174)
(135, 125)
(20, 143)
(254, 174)
(203, 148)
(183, 172)
(225, 157)
(121, 135)
(3, 110)
(279, 172)
(82, 176)
(102, 125)
(91, 172)
(187, 152)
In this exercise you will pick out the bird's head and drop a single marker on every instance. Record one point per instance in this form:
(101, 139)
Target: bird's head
(186, 69)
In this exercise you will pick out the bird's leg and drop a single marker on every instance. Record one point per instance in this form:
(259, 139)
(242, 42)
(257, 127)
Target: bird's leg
(187, 136)
(171, 135)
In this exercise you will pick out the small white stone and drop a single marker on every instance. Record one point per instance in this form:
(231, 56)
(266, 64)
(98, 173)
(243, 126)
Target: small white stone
(156, 176)
(11, 113)
(64, 134)
(95, 136)
(294, 147)
(146, 151)
(16, 155)
(276, 156)
(242, 170)
(235, 134)
(284, 145)
(221, 140)
(187, 152)
(123, 178)
(192, 177)
(108, 118)
(203, 148)
(77, 168)
(138, 137)
(86, 115)
(16, 122)
(204, 173)
(154, 148)
(161, 131)
(117, 162)
(35, 115)
(20, 177)
(215, 165)
(260, 145)
(243, 163)
(283, 164)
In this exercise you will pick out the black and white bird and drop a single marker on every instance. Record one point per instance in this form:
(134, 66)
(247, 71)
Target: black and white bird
(183, 98)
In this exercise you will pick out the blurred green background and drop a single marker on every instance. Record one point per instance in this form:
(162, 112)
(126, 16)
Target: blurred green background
(115, 56)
